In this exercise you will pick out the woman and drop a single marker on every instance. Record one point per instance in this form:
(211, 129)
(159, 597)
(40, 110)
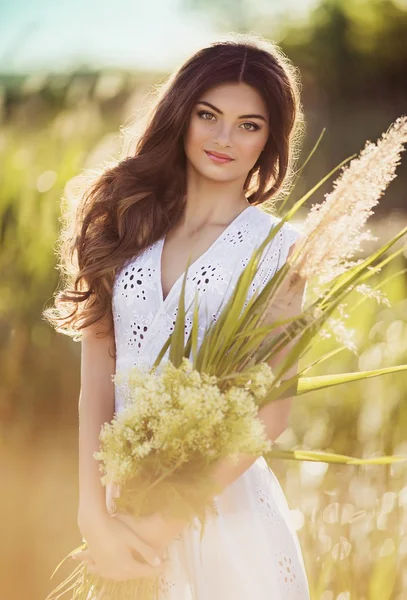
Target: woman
(219, 142)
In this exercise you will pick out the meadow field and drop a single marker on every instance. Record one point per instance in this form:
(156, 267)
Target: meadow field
(351, 520)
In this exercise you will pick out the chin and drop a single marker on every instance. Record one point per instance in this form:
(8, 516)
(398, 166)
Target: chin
(216, 176)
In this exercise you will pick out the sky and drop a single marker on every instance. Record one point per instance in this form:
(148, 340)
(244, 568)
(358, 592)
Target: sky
(148, 34)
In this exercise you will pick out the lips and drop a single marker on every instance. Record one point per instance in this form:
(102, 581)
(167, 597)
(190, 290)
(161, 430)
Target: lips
(218, 158)
(219, 154)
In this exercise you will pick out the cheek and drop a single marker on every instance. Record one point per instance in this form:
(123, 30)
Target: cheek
(196, 135)
(253, 145)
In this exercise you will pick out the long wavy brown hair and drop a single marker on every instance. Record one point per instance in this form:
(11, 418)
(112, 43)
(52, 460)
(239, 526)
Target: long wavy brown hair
(133, 202)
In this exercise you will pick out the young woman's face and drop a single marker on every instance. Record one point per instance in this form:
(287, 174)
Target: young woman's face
(228, 119)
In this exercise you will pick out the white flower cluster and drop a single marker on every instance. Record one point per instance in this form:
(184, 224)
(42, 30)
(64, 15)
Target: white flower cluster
(179, 416)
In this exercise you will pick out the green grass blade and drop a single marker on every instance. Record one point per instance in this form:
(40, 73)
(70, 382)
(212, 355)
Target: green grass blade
(319, 382)
(331, 458)
(192, 343)
(329, 305)
(300, 170)
(178, 335)
(308, 194)
(298, 385)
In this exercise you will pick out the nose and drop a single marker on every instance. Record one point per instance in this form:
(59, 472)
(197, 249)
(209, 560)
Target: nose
(223, 135)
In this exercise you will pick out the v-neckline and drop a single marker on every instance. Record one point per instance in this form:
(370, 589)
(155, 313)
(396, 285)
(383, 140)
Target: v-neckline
(161, 242)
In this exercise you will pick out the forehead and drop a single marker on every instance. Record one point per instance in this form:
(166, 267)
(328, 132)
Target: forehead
(235, 97)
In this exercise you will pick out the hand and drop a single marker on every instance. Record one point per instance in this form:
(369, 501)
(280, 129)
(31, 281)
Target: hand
(153, 529)
(111, 548)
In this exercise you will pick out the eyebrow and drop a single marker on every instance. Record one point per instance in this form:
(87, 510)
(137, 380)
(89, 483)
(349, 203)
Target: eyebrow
(221, 113)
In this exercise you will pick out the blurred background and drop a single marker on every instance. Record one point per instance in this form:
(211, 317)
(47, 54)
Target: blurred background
(71, 75)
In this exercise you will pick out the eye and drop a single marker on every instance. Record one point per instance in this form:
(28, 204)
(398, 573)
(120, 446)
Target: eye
(256, 127)
(205, 112)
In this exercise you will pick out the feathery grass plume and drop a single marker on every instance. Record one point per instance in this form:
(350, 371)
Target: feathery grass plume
(333, 228)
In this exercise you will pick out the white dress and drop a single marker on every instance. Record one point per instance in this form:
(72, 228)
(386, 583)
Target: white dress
(250, 551)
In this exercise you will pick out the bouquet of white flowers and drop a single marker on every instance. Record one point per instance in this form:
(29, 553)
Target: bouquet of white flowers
(202, 404)
(175, 424)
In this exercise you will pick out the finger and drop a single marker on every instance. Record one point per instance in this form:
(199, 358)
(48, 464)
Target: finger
(83, 555)
(140, 526)
(80, 553)
(150, 555)
(137, 569)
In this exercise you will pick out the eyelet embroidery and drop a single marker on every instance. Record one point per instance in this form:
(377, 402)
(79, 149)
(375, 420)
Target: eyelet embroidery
(266, 506)
(134, 280)
(142, 322)
(164, 587)
(139, 328)
(286, 571)
(271, 511)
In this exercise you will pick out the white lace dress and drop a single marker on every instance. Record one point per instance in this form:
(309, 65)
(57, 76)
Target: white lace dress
(250, 551)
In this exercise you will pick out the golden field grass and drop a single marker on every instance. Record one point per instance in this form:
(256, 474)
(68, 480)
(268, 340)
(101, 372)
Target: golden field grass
(351, 520)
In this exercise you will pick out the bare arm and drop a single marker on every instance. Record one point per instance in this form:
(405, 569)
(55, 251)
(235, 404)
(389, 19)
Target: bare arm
(96, 406)
(111, 543)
